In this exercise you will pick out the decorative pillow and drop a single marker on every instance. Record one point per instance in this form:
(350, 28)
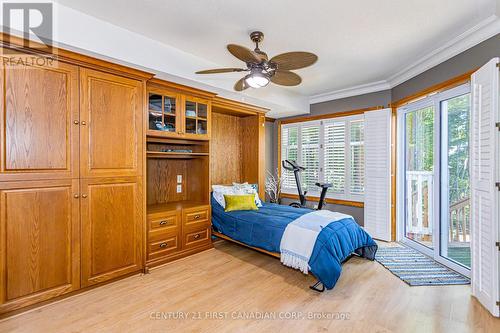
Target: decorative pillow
(249, 189)
(239, 202)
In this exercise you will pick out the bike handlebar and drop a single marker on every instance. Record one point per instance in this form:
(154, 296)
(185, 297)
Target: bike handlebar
(292, 166)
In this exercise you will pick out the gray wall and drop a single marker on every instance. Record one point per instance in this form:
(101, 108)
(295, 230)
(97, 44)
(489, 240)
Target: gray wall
(380, 98)
(461, 63)
(466, 61)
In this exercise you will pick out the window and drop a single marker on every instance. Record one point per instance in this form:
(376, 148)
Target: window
(289, 151)
(357, 152)
(310, 156)
(331, 151)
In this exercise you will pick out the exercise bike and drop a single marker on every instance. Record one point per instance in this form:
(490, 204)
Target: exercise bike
(293, 166)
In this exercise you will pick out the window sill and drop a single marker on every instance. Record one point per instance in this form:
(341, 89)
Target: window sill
(327, 200)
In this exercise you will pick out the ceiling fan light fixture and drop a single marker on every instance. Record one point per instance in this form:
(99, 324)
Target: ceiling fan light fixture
(257, 80)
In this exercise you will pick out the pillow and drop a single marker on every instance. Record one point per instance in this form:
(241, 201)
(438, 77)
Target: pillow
(246, 188)
(219, 191)
(239, 202)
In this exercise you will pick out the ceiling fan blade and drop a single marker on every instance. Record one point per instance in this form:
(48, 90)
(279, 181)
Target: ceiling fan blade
(221, 70)
(294, 60)
(286, 78)
(240, 85)
(243, 53)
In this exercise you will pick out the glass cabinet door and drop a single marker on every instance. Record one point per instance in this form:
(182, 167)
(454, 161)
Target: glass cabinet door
(162, 113)
(196, 114)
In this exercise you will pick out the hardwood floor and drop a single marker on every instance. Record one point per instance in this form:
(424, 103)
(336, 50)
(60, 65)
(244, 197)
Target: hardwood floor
(234, 281)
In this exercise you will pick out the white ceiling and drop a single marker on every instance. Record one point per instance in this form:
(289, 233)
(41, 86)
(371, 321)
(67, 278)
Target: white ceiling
(358, 41)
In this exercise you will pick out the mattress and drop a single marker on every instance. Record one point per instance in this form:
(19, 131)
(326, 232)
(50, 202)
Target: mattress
(264, 228)
(261, 228)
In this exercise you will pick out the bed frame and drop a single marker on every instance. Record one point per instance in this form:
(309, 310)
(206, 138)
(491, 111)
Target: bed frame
(315, 287)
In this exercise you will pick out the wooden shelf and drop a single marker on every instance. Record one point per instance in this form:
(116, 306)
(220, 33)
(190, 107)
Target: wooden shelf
(162, 154)
(170, 206)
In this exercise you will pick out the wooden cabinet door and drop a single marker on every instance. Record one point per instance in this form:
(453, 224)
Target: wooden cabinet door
(164, 113)
(39, 241)
(111, 113)
(196, 114)
(112, 228)
(39, 108)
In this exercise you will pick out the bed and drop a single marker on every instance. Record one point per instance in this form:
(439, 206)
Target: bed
(262, 229)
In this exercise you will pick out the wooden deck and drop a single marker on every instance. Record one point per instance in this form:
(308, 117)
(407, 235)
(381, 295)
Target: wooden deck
(234, 281)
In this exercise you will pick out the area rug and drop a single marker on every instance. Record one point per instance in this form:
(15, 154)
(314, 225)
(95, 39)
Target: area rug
(417, 269)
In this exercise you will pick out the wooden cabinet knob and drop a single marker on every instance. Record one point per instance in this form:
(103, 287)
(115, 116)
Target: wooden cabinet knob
(164, 244)
(76, 122)
(76, 196)
(84, 195)
(84, 122)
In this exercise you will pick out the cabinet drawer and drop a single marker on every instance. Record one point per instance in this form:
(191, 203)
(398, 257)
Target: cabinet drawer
(163, 223)
(160, 248)
(196, 238)
(196, 216)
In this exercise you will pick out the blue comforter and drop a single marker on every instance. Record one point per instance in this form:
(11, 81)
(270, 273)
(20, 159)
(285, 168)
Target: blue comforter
(264, 228)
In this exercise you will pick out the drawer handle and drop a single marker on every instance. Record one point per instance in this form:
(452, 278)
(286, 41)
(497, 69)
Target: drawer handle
(164, 244)
(197, 217)
(163, 222)
(196, 236)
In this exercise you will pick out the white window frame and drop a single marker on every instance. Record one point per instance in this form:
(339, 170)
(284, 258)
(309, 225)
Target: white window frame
(347, 196)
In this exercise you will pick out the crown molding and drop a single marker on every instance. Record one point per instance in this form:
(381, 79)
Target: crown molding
(348, 92)
(473, 36)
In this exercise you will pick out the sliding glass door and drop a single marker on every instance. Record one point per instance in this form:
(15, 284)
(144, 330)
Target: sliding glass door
(434, 216)
(419, 173)
(455, 192)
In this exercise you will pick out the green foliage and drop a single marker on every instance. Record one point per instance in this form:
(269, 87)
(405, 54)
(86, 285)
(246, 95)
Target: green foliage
(458, 147)
(420, 144)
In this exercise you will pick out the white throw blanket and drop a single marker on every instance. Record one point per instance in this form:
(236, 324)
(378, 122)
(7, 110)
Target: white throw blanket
(300, 236)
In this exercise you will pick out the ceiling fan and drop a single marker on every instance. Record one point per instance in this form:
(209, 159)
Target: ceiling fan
(264, 70)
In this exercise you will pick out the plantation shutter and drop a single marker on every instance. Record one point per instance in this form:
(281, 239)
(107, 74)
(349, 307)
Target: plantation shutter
(289, 151)
(377, 209)
(357, 157)
(310, 155)
(484, 194)
(334, 160)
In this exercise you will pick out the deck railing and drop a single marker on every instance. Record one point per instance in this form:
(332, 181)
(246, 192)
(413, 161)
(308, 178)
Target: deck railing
(459, 220)
(420, 205)
(420, 209)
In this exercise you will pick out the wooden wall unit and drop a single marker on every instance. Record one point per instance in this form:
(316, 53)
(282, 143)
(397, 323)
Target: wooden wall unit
(237, 147)
(88, 191)
(71, 168)
(178, 223)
